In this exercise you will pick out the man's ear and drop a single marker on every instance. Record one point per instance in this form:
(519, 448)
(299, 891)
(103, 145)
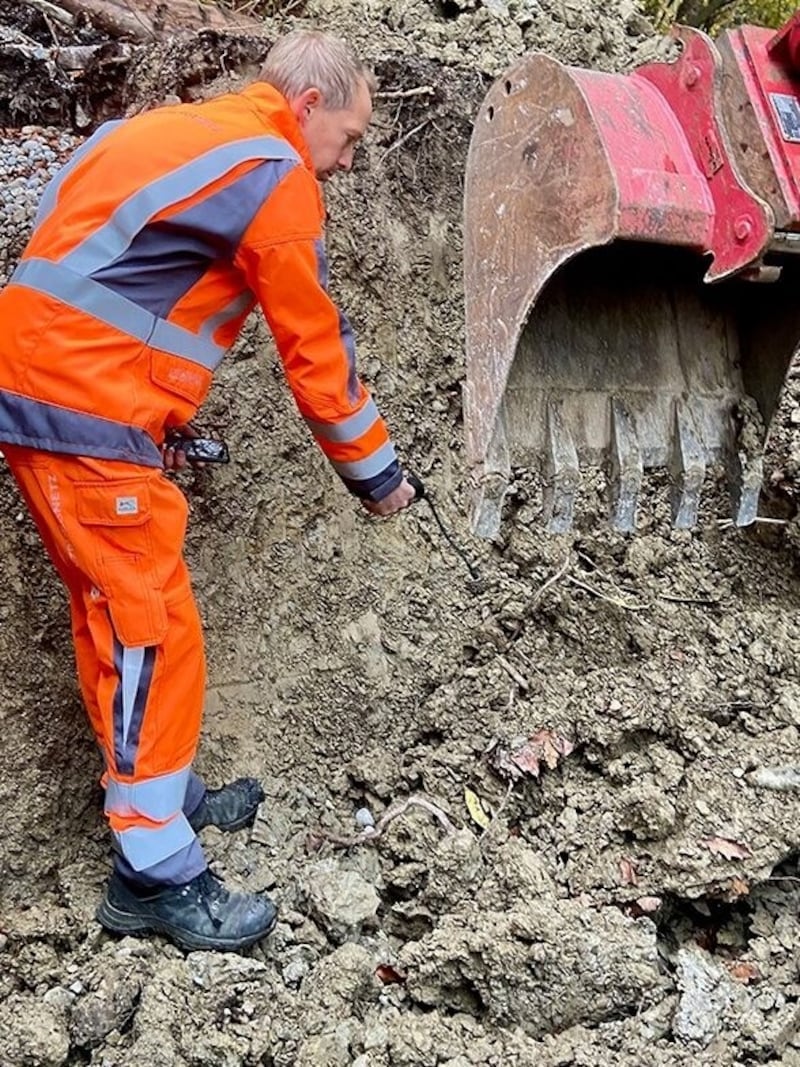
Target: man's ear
(306, 104)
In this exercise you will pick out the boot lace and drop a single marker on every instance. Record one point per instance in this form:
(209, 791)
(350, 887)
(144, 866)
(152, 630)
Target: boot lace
(211, 894)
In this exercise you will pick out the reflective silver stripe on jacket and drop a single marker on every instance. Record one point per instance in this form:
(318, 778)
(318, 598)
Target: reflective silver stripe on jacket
(348, 430)
(48, 201)
(370, 467)
(92, 298)
(111, 239)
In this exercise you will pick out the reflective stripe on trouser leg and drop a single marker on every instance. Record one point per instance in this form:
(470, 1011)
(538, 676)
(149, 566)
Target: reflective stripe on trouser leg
(165, 848)
(109, 599)
(195, 791)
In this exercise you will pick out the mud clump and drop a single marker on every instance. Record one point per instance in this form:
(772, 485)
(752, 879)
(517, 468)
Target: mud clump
(633, 902)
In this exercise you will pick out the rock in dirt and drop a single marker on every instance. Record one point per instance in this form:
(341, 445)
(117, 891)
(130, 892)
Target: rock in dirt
(342, 901)
(33, 1031)
(340, 983)
(708, 997)
(209, 969)
(332, 1049)
(454, 870)
(570, 964)
(108, 1007)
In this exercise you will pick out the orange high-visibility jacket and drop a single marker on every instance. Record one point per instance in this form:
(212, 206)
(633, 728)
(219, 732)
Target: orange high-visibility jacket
(150, 249)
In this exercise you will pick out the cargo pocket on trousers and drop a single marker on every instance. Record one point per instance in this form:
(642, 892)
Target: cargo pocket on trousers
(116, 516)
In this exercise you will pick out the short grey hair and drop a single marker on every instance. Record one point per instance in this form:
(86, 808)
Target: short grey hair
(306, 59)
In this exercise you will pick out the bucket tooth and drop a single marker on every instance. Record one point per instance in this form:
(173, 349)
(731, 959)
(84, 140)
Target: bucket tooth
(687, 466)
(562, 475)
(745, 461)
(493, 483)
(488, 510)
(626, 467)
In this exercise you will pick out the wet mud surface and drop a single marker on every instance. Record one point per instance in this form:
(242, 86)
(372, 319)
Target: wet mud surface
(548, 815)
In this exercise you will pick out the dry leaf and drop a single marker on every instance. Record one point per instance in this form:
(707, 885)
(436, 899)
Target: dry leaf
(527, 761)
(724, 846)
(389, 975)
(523, 758)
(627, 872)
(476, 809)
(739, 887)
(313, 842)
(647, 905)
(744, 972)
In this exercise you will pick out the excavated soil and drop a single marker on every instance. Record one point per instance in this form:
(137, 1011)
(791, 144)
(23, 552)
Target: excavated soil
(624, 893)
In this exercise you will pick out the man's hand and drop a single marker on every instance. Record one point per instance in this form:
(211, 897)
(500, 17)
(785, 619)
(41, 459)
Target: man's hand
(174, 458)
(398, 499)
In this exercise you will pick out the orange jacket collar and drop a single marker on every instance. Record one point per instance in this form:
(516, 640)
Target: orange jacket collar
(274, 111)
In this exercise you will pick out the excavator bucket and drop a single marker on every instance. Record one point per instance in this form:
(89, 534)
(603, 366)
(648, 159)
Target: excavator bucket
(631, 277)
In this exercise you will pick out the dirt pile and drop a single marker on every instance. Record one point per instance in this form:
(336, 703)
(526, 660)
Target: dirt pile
(635, 902)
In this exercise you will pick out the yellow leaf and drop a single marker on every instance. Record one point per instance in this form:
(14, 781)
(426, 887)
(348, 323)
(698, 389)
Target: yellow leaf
(476, 809)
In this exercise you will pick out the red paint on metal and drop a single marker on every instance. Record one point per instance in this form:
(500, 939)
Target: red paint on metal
(784, 47)
(770, 71)
(663, 196)
(689, 87)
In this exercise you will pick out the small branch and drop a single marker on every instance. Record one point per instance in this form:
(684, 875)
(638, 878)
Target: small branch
(53, 10)
(764, 520)
(602, 596)
(513, 673)
(780, 778)
(111, 18)
(503, 804)
(406, 136)
(76, 57)
(27, 49)
(687, 599)
(370, 835)
(537, 596)
(559, 574)
(404, 94)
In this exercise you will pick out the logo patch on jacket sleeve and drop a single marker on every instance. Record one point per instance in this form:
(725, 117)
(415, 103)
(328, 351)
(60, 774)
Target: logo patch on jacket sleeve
(127, 505)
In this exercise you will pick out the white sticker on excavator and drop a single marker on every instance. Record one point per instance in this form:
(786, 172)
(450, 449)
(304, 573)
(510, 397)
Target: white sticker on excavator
(787, 108)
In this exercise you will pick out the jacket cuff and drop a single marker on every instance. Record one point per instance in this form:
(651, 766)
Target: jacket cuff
(378, 487)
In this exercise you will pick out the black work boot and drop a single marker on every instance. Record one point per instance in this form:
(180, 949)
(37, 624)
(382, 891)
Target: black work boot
(202, 914)
(229, 808)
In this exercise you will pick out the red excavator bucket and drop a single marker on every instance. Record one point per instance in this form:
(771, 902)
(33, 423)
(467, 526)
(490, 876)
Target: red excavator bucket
(631, 291)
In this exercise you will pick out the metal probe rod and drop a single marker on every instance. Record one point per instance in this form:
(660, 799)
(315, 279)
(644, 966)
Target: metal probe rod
(422, 494)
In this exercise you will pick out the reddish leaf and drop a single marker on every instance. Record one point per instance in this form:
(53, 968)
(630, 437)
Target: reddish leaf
(627, 872)
(744, 972)
(527, 760)
(724, 846)
(389, 975)
(647, 905)
(526, 757)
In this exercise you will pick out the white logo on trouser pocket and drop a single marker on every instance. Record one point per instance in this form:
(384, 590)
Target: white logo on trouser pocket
(127, 505)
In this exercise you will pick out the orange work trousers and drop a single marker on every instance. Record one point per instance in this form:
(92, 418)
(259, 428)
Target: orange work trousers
(115, 533)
